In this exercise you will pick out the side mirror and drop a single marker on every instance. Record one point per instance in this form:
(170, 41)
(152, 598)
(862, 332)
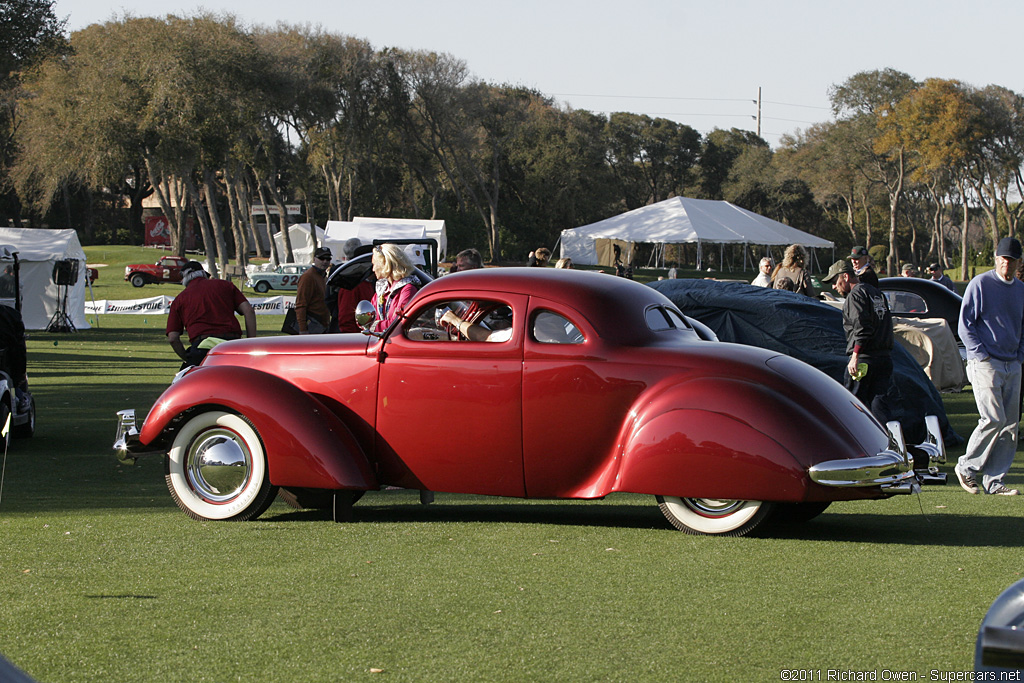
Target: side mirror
(365, 316)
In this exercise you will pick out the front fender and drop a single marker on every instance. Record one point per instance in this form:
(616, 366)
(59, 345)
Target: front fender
(306, 444)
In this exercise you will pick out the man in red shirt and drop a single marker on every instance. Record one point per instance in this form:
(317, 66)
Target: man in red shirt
(206, 308)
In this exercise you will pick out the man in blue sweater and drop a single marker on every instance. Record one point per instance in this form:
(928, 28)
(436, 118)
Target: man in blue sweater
(991, 326)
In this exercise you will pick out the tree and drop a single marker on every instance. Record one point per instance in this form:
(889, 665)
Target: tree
(828, 159)
(652, 159)
(720, 150)
(994, 166)
(867, 99)
(29, 33)
(942, 124)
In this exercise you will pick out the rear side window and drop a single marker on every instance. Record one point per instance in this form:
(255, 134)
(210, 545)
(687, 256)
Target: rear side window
(905, 302)
(661, 318)
(551, 328)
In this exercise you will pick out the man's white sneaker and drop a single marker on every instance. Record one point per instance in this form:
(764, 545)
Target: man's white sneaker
(966, 481)
(1001, 490)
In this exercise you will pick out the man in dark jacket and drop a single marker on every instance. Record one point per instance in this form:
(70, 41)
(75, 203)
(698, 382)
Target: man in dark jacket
(862, 266)
(868, 325)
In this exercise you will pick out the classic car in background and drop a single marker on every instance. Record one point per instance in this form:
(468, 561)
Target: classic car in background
(598, 386)
(913, 297)
(167, 269)
(284, 277)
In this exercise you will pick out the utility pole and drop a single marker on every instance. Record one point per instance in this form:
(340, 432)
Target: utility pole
(758, 111)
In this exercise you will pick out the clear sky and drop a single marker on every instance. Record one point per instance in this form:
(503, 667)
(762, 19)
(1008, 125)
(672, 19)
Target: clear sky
(699, 62)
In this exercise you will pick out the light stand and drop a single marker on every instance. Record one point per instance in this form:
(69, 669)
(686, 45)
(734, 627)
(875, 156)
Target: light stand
(61, 322)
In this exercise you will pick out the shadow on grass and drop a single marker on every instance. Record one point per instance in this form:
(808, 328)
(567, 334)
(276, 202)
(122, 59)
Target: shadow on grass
(518, 512)
(919, 529)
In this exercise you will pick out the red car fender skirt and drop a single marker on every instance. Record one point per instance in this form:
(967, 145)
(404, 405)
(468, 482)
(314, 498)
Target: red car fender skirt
(306, 444)
(695, 453)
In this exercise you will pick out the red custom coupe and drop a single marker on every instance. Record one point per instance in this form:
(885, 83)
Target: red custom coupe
(588, 385)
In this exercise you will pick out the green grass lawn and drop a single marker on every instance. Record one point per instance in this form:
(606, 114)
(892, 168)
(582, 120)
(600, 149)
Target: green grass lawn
(103, 579)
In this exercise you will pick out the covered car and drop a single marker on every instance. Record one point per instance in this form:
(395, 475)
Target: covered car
(596, 385)
(809, 330)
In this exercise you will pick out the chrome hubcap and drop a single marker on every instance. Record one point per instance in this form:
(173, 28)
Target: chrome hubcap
(711, 507)
(219, 465)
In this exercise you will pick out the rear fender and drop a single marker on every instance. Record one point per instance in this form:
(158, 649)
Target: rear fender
(306, 444)
(696, 453)
(726, 438)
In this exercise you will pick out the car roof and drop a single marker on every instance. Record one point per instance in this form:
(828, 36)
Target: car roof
(615, 306)
(919, 285)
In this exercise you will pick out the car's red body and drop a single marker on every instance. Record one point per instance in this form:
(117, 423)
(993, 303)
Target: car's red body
(167, 269)
(629, 409)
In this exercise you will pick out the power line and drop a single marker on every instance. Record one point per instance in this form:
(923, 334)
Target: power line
(805, 106)
(669, 113)
(653, 97)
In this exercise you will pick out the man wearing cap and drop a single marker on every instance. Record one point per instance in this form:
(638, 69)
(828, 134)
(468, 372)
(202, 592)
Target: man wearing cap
(309, 299)
(938, 276)
(868, 326)
(908, 270)
(991, 326)
(862, 266)
(206, 309)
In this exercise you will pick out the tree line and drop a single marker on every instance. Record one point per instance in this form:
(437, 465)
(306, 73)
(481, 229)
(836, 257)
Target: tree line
(208, 117)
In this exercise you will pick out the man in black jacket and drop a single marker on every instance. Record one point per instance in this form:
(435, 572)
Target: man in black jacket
(862, 266)
(868, 325)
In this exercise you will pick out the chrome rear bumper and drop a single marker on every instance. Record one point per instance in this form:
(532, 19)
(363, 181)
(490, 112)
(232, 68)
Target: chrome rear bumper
(892, 469)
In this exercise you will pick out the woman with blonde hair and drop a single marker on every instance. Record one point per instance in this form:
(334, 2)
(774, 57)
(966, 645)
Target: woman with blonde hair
(793, 268)
(396, 283)
(564, 263)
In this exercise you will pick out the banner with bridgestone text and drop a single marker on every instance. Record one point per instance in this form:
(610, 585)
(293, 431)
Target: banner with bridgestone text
(161, 305)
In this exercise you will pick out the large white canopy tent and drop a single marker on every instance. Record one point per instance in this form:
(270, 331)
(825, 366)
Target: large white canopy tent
(367, 231)
(39, 251)
(679, 220)
(434, 229)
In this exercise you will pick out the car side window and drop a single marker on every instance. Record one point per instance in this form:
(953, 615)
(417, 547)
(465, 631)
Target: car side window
(662, 318)
(486, 321)
(905, 302)
(551, 328)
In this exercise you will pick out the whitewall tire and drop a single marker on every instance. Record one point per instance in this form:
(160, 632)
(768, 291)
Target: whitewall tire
(713, 516)
(217, 468)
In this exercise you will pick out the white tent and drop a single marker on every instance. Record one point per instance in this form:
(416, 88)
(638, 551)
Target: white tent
(38, 252)
(339, 232)
(434, 230)
(302, 241)
(679, 220)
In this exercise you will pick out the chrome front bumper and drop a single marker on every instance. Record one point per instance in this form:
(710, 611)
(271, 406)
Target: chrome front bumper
(126, 440)
(892, 469)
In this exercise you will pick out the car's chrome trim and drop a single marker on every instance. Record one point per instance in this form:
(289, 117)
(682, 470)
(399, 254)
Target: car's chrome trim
(126, 439)
(892, 469)
(933, 445)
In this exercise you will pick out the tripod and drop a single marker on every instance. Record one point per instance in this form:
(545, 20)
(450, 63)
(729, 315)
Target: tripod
(61, 322)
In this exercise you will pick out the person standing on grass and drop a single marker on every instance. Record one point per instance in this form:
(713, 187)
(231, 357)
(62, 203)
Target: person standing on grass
(206, 309)
(869, 337)
(940, 277)
(992, 329)
(309, 296)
